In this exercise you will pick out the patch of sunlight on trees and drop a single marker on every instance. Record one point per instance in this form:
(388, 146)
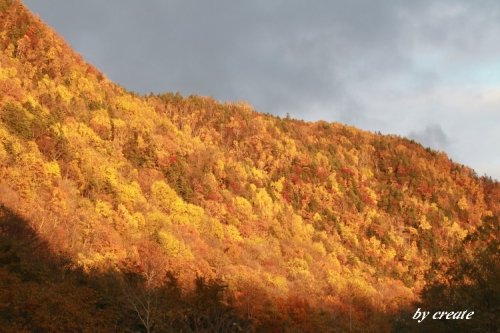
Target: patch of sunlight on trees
(174, 247)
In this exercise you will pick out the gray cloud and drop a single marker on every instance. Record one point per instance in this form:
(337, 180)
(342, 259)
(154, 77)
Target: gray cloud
(379, 65)
(431, 136)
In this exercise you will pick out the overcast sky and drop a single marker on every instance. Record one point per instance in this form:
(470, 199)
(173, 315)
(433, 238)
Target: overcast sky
(429, 70)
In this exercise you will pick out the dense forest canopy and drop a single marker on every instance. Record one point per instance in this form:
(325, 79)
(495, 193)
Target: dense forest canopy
(216, 217)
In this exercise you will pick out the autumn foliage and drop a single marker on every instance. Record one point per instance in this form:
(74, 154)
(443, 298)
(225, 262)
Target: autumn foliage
(167, 213)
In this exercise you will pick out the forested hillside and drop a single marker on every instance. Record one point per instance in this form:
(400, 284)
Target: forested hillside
(165, 213)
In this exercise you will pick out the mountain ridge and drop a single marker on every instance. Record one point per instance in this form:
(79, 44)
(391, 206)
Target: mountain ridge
(297, 219)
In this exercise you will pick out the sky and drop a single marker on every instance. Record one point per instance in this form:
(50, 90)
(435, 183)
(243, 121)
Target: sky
(427, 70)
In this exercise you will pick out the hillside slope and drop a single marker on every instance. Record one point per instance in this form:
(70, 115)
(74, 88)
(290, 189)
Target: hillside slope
(309, 225)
